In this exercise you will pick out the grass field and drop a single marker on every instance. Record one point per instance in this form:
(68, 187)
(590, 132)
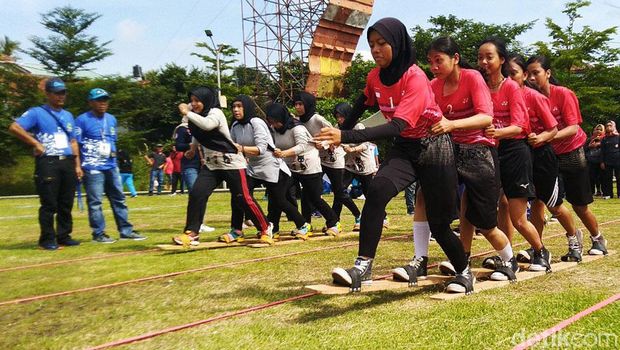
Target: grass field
(406, 319)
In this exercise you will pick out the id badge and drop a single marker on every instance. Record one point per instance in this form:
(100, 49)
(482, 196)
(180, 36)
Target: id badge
(104, 149)
(60, 140)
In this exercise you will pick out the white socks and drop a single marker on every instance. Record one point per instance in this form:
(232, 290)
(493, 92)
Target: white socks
(505, 253)
(421, 237)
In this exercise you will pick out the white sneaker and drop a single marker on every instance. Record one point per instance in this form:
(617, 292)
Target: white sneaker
(362, 197)
(204, 228)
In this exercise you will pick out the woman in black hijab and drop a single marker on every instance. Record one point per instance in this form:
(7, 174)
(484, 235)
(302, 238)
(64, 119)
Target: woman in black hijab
(404, 96)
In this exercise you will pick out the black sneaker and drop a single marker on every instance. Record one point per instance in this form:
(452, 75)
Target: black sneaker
(575, 246)
(49, 246)
(412, 272)
(599, 246)
(103, 238)
(541, 261)
(462, 283)
(506, 271)
(68, 242)
(525, 256)
(360, 274)
(492, 262)
(134, 236)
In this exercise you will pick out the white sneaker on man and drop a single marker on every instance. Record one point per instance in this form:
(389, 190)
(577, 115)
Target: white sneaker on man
(204, 228)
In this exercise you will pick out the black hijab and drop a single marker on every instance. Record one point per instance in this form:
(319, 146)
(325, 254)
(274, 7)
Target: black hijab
(278, 112)
(343, 109)
(403, 53)
(249, 109)
(309, 102)
(207, 96)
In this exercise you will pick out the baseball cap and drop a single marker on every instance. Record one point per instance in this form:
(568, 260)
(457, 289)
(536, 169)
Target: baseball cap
(98, 94)
(55, 85)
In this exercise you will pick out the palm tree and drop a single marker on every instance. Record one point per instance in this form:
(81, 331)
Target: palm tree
(8, 48)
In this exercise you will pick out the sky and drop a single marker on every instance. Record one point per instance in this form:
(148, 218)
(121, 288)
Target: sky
(153, 33)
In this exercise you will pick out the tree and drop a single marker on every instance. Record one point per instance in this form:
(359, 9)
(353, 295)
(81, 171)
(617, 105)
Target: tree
(70, 48)
(583, 60)
(355, 76)
(8, 48)
(226, 53)
(467, 33)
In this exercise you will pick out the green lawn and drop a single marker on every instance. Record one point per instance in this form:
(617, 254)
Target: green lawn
(392, 320)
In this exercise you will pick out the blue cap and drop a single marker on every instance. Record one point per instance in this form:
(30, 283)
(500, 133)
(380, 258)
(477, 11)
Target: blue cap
(55, 85)
(98, 94)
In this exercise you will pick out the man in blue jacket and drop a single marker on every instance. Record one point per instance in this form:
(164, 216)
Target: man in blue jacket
(56, 166)
(96, 135)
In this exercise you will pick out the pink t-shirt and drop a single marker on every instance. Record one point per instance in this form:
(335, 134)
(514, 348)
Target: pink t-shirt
(509, 108)
(410, 99)
(538, 111)
(471, 97)
(169, 166)
(565, 109)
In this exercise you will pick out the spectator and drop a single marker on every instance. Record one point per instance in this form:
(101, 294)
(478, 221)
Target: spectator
(125, 168)
(610, 156)
(176, 170)
(593, 156)
(157, 161)
(95, 132)
(56, 166)
(168, 170)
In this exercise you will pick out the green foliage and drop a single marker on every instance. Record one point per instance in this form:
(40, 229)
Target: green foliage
(18, 92)
(583, 61)
(69, 49)
(355, 76)
(467, 33)
(8, 47)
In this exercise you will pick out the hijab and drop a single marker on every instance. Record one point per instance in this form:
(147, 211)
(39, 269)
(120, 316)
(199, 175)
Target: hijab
(249, 109)
(278, 112)
(343, 109)
(207, 96)
(309, 102)
(614, 131)
(403, 53)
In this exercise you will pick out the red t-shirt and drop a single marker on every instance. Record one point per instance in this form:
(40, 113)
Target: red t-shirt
(410, 99)
(470, 98)
(565, 109)
(538, 111)
(509, 108)
(176, 161)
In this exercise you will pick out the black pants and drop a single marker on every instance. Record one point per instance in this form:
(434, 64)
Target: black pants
(347, 178)
(608, 180)
(431, 161)
(55, 182)
(176, 178)
(278, 203)
(207, 182)
(341, 196)
(312, 188)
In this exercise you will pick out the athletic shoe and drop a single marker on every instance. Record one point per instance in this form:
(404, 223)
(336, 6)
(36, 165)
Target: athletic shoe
(606, 197)
(506, 271)
(68, 242)
(446, 268)
(386, 222)
(492, 262)
(49, 246)
(412, 272)
(599, 246)
(431, 238)
(232, 236)
(173, 194)
(204, 228)
(462, 283)
(334, 230)
(362, 197)
(575, 247)
(267, 235)
(186, 239)
(134, 236)
(356, 226)
(541, 261)
(248, 223)
(316, 214)
(525, 256)
(103, 238)
(360, 274)
(304, 232)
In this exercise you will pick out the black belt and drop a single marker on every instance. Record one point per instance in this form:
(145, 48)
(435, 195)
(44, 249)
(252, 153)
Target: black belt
(58, 157)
